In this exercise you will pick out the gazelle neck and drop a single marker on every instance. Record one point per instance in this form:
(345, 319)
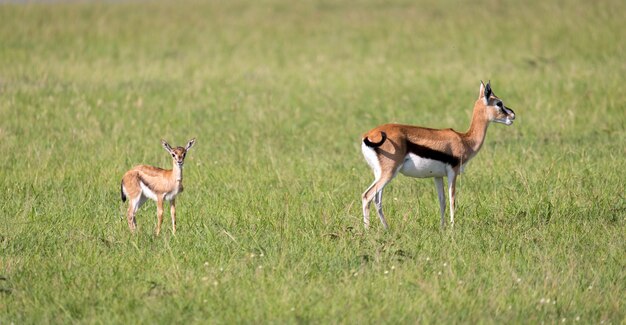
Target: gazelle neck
(475, 136)
(177, 172)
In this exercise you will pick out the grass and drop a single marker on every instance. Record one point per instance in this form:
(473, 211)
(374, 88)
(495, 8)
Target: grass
(269, 225)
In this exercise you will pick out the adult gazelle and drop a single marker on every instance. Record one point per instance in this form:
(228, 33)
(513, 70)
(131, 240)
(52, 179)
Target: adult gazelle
(424, 152)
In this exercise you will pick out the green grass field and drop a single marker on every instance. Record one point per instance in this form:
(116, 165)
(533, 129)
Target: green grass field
(277, 94)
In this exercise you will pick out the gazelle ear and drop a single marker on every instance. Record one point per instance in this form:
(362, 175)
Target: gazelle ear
(485, 92)
(166, 145)
(488, 90)
(190, 144)
(481, 90)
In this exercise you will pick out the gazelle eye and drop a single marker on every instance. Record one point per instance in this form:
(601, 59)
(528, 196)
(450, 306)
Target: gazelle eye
(499, 104)
(172, 155)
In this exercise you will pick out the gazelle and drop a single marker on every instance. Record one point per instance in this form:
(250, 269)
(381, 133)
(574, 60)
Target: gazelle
(423, 152)
(148, 182)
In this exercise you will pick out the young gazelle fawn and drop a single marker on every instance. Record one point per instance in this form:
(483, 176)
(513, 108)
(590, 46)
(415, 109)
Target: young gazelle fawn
(148, 182)
(423, 152)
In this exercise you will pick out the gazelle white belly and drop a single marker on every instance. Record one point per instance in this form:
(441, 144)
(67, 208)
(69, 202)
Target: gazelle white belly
(171, 195)
(416, 166)
(147, 192)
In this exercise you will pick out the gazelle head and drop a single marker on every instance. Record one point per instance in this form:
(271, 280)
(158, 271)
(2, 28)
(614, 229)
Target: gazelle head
(494, 107)
(178, 153)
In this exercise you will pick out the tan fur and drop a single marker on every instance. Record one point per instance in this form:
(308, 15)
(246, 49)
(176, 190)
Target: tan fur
(391, 154)
(165, 184)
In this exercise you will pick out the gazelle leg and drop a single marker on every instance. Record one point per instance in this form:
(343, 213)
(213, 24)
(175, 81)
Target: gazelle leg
(442, 199)
(378, 200)
(370, 193)
(366, 205)
(133, 206)
(173, 213)
(159, 214)
(130, 214)
(451, 193)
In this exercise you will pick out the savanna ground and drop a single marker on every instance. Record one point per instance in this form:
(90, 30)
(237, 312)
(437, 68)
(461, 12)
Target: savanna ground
(278, 94)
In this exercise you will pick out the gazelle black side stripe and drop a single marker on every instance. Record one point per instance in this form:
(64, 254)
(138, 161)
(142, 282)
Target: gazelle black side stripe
(426, 152)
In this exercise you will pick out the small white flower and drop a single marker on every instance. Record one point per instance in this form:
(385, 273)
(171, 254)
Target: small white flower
(386, 272)
(577, 318)
(439, 273)
(519, 280)
(563, 320)
(542, 300)
(445, 264)
(355, 274)
(393, 267)
(260, 267)
(206, 263)
(206, 278)
(215, 283)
